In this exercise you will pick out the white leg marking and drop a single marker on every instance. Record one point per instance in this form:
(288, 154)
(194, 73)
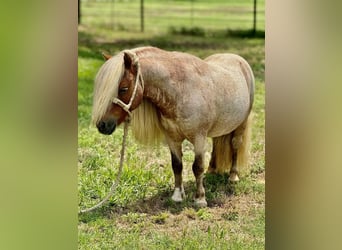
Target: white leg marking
(178, 194)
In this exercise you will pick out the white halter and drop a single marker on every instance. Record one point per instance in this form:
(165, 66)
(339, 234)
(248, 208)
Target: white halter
(116, 100)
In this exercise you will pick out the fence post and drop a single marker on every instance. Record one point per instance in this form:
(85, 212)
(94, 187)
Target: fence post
(142, 15)
(254, 17)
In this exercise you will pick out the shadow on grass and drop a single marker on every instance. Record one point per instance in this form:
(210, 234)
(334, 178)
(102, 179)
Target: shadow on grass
(200, 32)
(218, 190)
(89, 47)
(176, 38)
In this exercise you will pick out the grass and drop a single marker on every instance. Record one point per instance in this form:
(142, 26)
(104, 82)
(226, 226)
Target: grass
(141, 215)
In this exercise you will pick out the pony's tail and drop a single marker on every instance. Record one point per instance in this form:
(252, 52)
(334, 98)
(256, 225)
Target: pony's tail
(243, 153)
(221, 157)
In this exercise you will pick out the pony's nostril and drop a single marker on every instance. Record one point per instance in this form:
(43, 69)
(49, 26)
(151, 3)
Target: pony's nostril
(101, 125)
(106, 127)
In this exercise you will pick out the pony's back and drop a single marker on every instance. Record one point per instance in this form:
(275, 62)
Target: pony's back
(232, 62)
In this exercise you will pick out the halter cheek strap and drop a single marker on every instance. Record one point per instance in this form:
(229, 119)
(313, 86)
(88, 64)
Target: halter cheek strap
(123, 105)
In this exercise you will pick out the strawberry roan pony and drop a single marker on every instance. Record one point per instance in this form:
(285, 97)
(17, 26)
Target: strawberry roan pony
(179, 96)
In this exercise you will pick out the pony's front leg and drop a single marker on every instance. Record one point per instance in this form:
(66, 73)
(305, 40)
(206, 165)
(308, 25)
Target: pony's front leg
(198, 170)
(177, 167)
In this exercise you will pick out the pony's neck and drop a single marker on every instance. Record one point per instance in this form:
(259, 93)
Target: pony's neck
(159, 90)
(164, 72)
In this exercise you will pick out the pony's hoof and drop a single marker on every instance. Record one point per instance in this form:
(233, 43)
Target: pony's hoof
(201, 202)
(233, 177)
(178, 195)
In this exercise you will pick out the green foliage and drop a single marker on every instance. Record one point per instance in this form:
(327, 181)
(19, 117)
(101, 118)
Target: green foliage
(204, 214)
(160, 218)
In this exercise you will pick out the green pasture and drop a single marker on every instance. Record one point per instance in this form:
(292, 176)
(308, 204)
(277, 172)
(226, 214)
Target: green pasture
(141, 215)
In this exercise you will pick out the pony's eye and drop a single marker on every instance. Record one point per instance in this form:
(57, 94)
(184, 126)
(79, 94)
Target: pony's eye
(123, 90)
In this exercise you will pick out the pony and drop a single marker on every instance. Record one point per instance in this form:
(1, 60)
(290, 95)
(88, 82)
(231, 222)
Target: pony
(175, 96)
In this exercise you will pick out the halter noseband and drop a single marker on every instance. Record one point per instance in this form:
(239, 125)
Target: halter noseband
(123, 105)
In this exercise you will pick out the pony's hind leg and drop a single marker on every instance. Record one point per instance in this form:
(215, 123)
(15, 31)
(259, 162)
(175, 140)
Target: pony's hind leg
(230, 151)
(221, 155)
(233, 173)
(240, 147)
(177, 167)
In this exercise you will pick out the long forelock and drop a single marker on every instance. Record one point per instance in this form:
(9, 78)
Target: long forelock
(106, 86)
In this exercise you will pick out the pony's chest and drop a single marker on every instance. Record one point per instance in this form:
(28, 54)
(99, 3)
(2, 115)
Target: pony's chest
(172, 128)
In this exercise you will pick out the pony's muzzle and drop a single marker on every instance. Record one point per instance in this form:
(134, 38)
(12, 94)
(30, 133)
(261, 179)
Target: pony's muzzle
(107, 127)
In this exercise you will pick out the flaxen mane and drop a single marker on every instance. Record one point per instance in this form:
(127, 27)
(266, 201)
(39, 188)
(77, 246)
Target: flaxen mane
(145, 124)
(106, 85)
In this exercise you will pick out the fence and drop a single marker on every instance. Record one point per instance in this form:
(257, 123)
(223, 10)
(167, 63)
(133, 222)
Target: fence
(162, 15)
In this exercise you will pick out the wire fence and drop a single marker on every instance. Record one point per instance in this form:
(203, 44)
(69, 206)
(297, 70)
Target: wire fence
(163, 15)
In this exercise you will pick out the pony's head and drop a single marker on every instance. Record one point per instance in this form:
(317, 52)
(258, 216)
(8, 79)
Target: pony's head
(118, 90)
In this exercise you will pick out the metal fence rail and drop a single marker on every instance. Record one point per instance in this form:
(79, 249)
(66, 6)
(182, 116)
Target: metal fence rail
(165, 14)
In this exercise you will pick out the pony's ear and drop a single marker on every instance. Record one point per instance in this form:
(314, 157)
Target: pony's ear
(130, 61)
(106, 56)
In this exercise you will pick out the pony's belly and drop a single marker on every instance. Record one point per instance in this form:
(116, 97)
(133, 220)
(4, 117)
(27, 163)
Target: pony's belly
(230, 115)
(217, 131)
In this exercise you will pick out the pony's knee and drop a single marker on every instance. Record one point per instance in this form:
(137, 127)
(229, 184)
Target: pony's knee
(177, 165)
(197, 166)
